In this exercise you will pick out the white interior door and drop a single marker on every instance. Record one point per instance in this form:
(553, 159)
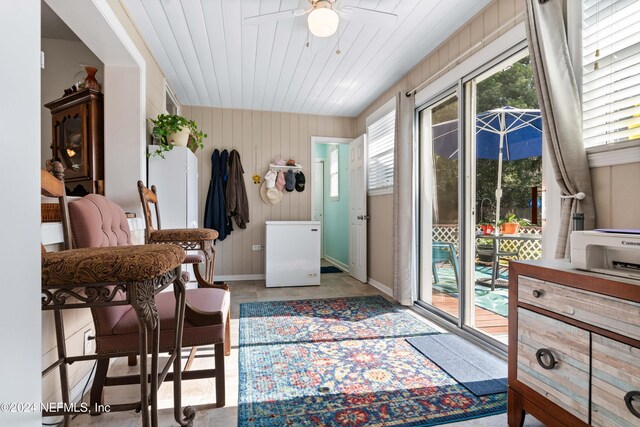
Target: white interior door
(318, 198)
(358, 209)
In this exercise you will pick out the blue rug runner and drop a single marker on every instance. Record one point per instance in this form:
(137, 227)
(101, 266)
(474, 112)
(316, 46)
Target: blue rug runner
(344, 362)
(475, 368)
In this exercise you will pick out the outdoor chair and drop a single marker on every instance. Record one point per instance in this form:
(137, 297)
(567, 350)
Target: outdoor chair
(444, 252)
(494, 255)
(114, 283)
(98, 222)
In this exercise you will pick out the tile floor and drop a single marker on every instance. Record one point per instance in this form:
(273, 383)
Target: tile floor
(200, 392)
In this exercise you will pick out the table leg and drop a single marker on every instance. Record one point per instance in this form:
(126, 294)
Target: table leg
(143, 301)
(62, 355)
(144, 389)
(155, 354)
(496, 263)
(188, 412)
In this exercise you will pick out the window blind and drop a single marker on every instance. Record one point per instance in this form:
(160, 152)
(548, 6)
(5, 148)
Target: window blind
(610, 71)
(334, 178)
(381, 135)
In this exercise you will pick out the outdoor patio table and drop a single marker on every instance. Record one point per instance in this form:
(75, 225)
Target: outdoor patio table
(496, 238)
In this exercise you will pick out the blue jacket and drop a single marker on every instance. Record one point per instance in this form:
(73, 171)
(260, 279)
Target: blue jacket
(215, 212)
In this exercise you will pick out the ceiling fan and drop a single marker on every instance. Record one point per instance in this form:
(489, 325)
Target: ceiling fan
(324, 16)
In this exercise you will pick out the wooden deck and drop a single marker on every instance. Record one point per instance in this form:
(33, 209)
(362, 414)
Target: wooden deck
(486, 321)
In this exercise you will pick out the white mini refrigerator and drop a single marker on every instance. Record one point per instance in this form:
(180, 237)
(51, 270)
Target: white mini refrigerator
(292, 253)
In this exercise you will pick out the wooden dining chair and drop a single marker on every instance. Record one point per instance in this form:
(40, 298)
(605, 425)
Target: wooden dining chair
(197, 241)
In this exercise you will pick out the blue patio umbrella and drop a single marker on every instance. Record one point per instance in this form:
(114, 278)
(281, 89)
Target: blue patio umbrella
(505, 133)
(509, 134)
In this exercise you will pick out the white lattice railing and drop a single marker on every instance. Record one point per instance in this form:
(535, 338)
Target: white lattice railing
(530, 249)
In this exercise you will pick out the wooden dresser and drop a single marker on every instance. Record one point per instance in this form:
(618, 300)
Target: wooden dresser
(574, 346)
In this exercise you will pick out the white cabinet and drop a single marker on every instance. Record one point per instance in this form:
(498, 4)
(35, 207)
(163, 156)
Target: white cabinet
(292, 253)
(176, 179)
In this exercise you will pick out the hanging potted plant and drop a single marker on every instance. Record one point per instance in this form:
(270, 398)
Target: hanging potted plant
(486, 228)
(170, 130)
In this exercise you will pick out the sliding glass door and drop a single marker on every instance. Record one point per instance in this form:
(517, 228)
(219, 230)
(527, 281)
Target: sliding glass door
(440, 202)
(480, 186)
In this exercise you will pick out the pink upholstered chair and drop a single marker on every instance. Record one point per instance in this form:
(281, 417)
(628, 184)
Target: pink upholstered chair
(123, 279)
(98, 222)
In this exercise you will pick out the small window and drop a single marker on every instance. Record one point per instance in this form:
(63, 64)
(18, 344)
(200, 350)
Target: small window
(170, 101)
(334, 174)
(381, 135)
(610, 71)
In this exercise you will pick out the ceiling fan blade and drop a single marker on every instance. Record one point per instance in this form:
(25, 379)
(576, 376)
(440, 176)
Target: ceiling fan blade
(369, 16)
(275, 16)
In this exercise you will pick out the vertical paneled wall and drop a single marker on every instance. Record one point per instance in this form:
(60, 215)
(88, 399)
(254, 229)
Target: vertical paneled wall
(260, 137)
(617, 196)
(496, 14)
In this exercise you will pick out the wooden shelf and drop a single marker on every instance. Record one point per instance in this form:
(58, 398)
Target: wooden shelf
(274, 167)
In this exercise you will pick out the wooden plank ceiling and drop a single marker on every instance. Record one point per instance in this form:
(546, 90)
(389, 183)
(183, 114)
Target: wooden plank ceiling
(211, 58)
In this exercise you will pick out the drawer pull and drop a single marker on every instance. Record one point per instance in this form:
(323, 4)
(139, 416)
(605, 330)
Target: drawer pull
(537, 293)
(628, 400)
(545, 352)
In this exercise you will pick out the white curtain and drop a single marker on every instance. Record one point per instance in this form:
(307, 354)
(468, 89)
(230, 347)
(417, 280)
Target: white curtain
(403, 202)
(561, 112)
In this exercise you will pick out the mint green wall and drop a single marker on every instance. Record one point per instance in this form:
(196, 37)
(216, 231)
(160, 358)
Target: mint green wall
(336, 212)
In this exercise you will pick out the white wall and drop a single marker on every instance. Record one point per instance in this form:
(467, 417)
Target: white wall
(63, 60)
(617, 195)
(20, 215)
(125, 161)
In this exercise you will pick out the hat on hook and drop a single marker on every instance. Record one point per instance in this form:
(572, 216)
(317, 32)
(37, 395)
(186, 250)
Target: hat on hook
(270, 196)
(290, 180)
(270, 179)
(300, 181)
(280, 182)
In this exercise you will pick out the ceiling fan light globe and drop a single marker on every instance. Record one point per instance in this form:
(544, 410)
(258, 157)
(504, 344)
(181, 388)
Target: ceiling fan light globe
(323, 22)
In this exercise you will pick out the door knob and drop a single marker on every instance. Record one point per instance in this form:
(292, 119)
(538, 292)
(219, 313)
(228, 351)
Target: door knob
(365, 217)
(359, 217)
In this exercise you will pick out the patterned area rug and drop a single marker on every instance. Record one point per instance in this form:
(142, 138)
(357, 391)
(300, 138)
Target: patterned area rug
(344, 362)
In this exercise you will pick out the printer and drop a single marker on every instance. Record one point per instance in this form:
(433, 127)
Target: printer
(615, 252)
